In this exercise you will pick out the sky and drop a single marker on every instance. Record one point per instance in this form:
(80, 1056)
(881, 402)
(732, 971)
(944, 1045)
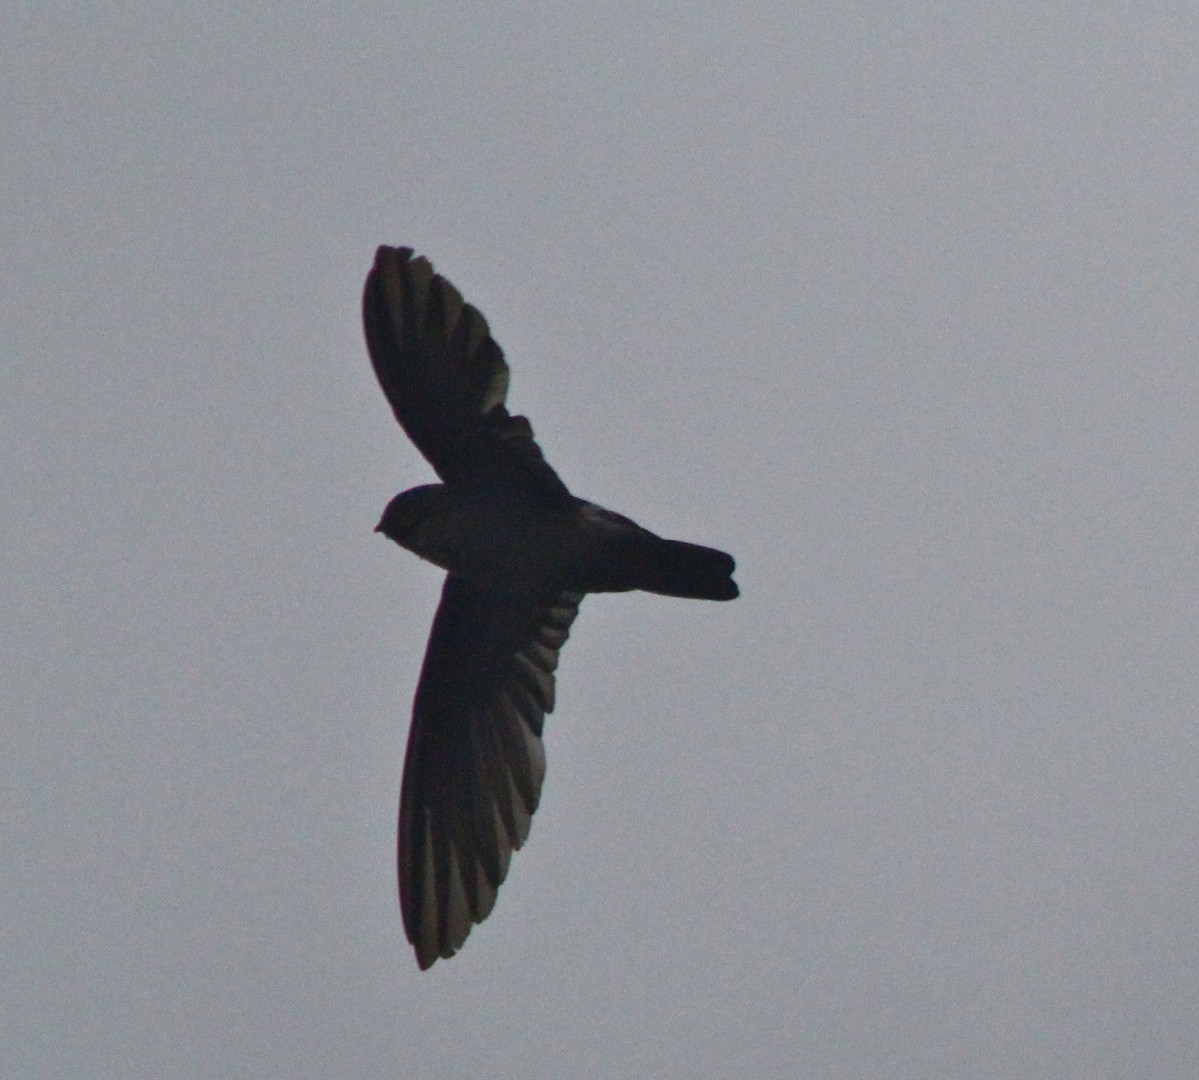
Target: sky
(896, 303)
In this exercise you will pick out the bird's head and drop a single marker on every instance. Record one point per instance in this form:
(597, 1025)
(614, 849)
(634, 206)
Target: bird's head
(416, 520)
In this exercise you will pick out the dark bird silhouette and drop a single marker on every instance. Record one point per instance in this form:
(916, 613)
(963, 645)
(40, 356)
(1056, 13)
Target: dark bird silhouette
(521, 551)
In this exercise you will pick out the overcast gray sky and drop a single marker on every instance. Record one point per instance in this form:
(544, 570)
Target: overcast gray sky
(897, 303)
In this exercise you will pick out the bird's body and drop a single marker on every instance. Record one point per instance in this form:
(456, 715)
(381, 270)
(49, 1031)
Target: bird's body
(521, 545)
(521, 552)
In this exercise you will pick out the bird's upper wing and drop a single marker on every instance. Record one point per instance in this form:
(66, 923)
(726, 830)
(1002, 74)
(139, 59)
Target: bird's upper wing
(475, 763)
(446, 379)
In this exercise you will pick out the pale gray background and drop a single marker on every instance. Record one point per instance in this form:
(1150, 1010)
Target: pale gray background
(895, 302)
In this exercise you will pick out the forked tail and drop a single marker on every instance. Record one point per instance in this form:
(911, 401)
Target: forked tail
(675, 568)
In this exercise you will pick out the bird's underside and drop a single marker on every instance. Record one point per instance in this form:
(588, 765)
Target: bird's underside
(520, 552)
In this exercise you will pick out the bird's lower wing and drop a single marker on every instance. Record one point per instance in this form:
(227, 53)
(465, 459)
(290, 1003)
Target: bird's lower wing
(475, 762)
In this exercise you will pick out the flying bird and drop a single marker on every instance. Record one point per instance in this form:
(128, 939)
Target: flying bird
(520, 551)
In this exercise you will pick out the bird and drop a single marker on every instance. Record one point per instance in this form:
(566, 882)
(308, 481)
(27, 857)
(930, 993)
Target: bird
(520, 552)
